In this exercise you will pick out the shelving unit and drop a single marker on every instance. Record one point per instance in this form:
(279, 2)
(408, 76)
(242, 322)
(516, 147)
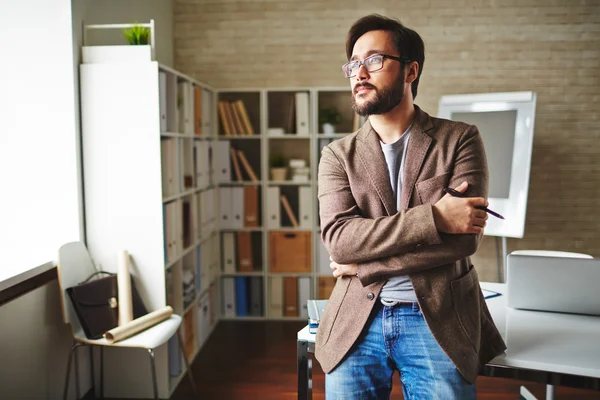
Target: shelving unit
(150, 185)
(295, 264)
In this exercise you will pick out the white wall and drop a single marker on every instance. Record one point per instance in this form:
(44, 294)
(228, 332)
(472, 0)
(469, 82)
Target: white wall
(39, 102)
(130, 11)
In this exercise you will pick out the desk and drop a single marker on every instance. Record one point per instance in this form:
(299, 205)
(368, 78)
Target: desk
(551, 348)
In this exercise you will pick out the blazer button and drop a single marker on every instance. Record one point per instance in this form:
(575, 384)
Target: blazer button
(370, 296)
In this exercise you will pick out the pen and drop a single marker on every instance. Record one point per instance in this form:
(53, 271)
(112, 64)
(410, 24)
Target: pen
(455, 193)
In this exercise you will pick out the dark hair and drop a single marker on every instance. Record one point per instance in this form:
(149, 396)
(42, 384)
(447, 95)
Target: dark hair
(408, 42)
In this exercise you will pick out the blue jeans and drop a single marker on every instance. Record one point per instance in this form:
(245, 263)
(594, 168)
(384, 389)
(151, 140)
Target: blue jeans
(397, 338)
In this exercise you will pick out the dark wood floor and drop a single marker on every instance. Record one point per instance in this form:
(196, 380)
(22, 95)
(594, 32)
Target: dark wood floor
(249, 360)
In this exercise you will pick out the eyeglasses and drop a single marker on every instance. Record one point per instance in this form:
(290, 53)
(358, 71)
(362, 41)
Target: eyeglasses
(372, 63)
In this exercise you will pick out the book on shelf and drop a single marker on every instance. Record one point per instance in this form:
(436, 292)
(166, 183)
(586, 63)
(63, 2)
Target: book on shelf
(236, 165)
(247, 166)
(288, 210)
(234, 118)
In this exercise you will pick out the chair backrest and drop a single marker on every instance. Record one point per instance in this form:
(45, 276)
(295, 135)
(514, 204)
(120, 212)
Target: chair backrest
(74, 266)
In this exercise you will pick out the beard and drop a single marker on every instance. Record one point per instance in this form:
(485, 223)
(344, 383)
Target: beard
(385, 100)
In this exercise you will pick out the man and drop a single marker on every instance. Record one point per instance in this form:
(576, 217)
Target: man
(407, 297)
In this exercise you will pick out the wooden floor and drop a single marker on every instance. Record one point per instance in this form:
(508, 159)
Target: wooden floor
(249, 360)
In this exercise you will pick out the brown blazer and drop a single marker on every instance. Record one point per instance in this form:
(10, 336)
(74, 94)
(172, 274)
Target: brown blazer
(360, 224)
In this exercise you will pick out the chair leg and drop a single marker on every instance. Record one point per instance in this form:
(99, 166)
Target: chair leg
(77, 391)
(101, 372)
(92, 370)
(71, 352)
(187, 363)
(153, 368)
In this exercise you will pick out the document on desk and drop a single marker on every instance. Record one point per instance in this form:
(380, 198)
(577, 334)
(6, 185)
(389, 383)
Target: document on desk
(488, 294)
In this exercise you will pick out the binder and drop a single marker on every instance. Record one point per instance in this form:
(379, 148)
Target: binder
(229, 297)
(214, 262)
(245, 260)
(225, 207)
(303, 295)
(323, 260)
(229, 253)
(290, 296)
(221, 158)
(204, 266)
(273, 208)
(302, 125)
(207, 121)
(305, 203)
(237, 207)
(162, 92)
(198, 270)
(198, 123)
(251, 207)
(276, 296)
(241, 296)
(172, 114)
(256, 296)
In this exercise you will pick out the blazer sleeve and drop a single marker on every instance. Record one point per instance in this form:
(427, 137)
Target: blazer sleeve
(471, 166)
(351, 238)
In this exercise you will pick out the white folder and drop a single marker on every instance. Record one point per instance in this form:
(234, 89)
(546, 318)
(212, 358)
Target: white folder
(175, 221)
(172, 114)
(225, 208)
(215, 257)
(303, 295)
(302, 125)
(305, 205)
(221, 158)
(276, 296)
(211, 209)
(273, 208)
(201, 164)
(204, 264)
(229, 297)
(323, 260)
(237, 208)
(162, 92)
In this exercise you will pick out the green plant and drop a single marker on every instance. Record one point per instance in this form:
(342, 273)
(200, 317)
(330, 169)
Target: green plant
(137, 34)
(329, 116)
(277, 161)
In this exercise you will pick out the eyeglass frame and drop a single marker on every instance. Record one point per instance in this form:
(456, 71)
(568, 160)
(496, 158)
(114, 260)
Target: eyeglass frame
(399, 59)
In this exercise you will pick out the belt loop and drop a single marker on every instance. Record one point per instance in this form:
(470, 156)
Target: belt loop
(415, 306)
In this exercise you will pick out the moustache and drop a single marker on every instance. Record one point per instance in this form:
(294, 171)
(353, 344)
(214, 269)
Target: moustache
(367, 85)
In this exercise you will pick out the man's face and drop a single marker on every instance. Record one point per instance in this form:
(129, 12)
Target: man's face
(380, 91)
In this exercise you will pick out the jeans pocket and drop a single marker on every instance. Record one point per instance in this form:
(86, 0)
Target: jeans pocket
(465, 293)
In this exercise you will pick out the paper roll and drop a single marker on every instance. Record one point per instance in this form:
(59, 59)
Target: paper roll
(138, 325)
(124, 289)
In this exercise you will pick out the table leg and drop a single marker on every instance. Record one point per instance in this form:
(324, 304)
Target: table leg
(527, 395)
(304, 372)
(550, 392)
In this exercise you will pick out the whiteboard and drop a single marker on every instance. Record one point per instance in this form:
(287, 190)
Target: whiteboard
(506, 124)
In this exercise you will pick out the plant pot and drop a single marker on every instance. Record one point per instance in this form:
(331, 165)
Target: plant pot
(278, 174)
(116, 54)
(328, 128)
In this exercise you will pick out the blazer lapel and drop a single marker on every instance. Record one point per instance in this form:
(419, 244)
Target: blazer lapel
(418, 145)
(371, 156)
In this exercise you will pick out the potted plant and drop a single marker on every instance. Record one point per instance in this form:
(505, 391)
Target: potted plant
(137, 48)
(329, 118)
(278, 168)
(137, 35)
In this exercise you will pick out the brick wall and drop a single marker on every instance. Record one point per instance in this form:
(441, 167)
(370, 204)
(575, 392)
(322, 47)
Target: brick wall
(551, 47)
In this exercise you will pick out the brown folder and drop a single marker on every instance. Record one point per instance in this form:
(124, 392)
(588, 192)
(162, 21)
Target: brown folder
(326, 285)
(237, 119)
(288, 210)
(189, 340)
(198, 110)
(251, 206)
(290, 251)
(244, 247)
(290, 296)
(236, 164)
(244, 115)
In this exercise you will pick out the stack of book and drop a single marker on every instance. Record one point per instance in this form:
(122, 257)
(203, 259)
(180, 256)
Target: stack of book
(300, 172)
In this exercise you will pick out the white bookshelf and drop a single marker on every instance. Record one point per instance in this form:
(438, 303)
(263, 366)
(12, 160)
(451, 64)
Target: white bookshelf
(278, 108)
(156, 200)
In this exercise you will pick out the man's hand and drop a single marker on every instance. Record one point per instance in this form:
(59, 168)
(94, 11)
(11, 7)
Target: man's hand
(343, 269)
(458, 214)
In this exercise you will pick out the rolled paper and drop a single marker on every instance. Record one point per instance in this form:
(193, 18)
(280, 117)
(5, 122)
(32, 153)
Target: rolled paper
(124, 289)
(137, 325)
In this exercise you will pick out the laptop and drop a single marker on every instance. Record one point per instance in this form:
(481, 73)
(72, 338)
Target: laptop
(553, 283)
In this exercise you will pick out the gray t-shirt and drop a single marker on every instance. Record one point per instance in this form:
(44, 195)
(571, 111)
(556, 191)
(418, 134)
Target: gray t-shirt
(397, 288)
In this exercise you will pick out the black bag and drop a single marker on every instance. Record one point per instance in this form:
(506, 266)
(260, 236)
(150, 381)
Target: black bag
(96, 303)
